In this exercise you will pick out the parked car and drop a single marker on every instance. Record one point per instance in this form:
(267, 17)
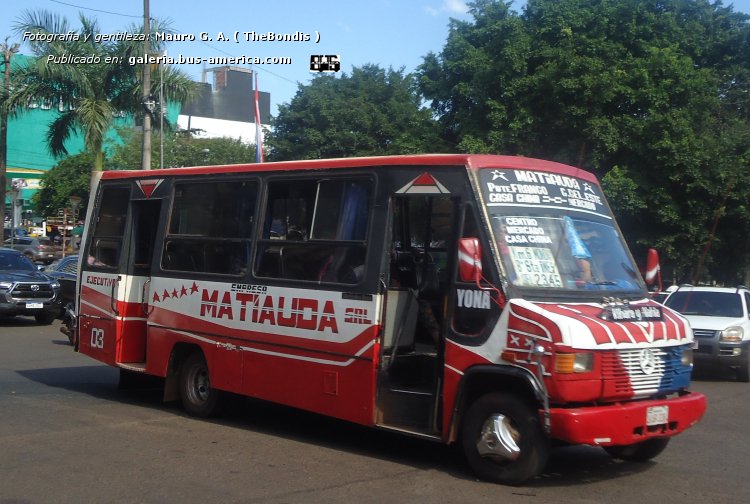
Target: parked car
(721, 325)
(19, 232)
(37, 249)
(65, 271)
(24, 290)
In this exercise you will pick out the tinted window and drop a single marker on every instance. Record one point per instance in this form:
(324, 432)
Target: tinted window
(16, 262)
(109, 228)
(709, 304)
(474, 309)
(315, 230)
(210, 227)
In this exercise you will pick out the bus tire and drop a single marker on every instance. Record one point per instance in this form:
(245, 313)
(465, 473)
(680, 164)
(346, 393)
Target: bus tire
(198, 397)
(502, 439)
(638, 452)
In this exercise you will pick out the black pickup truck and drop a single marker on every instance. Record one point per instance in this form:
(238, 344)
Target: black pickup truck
(24, 290)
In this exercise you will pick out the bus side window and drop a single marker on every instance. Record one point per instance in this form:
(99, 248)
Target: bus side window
(315, 230)
(210, 227)
(105, 245)
(474, 308)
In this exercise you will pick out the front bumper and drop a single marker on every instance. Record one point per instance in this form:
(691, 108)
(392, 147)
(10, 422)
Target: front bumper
(712, 351)
(624, 423)
(29, 307)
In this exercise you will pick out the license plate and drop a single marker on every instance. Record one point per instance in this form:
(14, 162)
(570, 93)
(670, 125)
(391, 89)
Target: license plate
(34, 305)
(657, 415)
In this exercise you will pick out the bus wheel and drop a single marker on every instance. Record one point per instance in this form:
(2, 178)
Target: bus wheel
(638, 452)
(502, 440)
(198, 398)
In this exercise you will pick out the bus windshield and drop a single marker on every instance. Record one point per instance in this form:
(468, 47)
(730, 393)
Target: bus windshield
(555, 233)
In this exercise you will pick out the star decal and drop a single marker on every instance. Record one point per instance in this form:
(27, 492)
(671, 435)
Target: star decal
(176, 293)
(497, 174)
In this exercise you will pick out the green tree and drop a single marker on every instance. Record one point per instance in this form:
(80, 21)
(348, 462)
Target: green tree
(179, 151)
(651, 95)
(7, 50)
(69, 177)
(92, 90)
(370, 112)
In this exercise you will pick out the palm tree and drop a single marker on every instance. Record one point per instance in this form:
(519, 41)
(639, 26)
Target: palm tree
(7, 50)
(90, 90)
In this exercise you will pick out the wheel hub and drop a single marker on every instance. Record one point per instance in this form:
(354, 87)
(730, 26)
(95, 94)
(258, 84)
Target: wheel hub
(498, 439)
(201, 388)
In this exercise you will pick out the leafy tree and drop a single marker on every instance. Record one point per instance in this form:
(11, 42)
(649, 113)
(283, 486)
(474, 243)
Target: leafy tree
(69, 177)
(7, 50)
(370, 112)
(652, 95)
(91, 93)
(179, 151)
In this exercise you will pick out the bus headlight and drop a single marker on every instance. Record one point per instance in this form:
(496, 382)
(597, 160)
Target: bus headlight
(732, 334)
(574, 362)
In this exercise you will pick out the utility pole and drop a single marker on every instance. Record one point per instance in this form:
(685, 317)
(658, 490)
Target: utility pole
(8, 52)
(147, 102)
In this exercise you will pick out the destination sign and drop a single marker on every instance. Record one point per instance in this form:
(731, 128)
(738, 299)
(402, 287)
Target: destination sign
(528, 188)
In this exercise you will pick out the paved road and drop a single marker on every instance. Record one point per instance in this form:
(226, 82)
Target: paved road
(67, 435)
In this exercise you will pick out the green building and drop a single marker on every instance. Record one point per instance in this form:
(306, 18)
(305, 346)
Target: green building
(28, 155)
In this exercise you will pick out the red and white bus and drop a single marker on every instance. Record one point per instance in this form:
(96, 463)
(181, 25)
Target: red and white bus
(489, 301)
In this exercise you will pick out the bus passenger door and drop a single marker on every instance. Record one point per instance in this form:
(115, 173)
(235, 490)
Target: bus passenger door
(100, 311)
(421, 256)
(115, 275)
(133, 328)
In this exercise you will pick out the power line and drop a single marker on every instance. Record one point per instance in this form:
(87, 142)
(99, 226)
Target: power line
(96, 10)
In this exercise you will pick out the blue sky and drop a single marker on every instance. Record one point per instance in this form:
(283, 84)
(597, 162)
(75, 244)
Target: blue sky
(395, 33)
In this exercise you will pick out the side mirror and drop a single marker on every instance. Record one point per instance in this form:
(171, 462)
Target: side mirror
(653, 269)
(469, 260)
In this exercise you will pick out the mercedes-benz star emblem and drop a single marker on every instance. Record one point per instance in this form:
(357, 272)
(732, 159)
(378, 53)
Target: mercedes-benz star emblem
(647, 360)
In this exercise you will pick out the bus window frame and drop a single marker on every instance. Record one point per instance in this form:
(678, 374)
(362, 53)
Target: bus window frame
(265, 244)
(90, 261)
(167, 237)
(489, 271)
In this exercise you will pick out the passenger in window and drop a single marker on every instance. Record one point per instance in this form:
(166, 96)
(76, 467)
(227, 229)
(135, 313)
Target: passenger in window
(295, 233)
(277, 229)
(425, 314)
(579, 250)
(93, 261)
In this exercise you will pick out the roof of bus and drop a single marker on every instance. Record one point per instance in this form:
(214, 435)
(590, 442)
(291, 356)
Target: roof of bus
(472, 161)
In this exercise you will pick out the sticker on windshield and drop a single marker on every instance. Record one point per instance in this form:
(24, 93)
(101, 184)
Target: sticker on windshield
(535, 189)
(535, 267)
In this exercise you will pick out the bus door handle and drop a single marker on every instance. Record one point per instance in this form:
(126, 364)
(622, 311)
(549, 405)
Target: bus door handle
(144, 301)
(113, 296)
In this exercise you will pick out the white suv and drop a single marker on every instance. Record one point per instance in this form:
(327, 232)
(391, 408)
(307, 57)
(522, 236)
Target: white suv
(721, 324)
